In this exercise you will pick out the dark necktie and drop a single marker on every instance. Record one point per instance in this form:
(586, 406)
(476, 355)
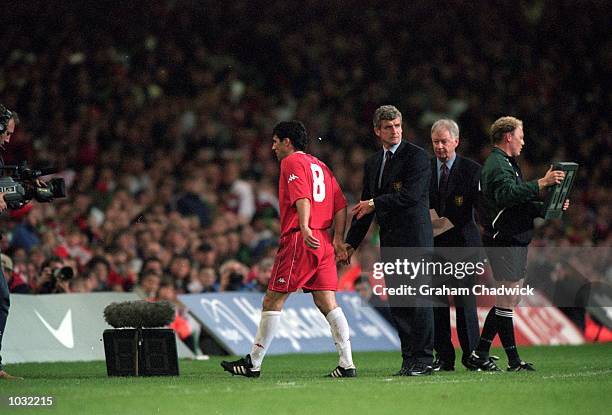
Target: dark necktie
(442, 186)
(386, 168)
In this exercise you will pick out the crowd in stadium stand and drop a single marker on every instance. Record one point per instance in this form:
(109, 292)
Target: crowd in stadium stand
(160, 119)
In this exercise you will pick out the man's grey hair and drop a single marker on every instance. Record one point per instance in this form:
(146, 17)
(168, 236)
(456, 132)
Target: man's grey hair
(386, 113)
(449, 125)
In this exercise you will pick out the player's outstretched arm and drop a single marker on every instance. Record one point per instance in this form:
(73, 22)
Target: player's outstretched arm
(303, 208)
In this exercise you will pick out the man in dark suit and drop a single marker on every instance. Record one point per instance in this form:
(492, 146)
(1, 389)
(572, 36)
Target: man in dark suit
(395, 190)
(453, 193)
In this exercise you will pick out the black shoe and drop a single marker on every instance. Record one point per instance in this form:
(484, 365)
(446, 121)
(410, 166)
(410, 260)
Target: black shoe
(484, 364)
(442, 365)
(420, 369)
(403, 371)
(340, 372)
(521, 366)
(241, 367)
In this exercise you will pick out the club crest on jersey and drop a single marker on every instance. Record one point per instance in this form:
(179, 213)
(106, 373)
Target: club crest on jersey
(397, 186)
(292, 177)
(459, 201)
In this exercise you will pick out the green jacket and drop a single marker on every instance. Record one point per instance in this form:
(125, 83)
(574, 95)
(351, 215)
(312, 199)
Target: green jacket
(509, 204)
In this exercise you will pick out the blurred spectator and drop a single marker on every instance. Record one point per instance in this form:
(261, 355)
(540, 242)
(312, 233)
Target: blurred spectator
(205, 256)
(263, 272)
(180, 271)
(100, 271)
(181, 324)
(25, 234)
(148, 285)
(86, 283)
(233, 276)
(240, 198)
(364, 289)
(54, 277)
(207, 278)
(16, 281)
(191, 202)
(153, 264)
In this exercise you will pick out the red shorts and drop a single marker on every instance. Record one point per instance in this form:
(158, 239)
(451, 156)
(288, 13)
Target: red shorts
(297, 266)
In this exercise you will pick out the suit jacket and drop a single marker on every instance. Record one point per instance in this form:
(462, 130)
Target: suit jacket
(461, 202)
(402, 202)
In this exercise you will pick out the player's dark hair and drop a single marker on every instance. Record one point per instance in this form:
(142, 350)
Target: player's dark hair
(293, 130)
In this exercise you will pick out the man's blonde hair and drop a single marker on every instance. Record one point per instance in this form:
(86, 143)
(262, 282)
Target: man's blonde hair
(502, 126)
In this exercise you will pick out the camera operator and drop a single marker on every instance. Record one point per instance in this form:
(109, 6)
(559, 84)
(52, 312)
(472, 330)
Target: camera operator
(8, 122)
(232, 276)
(54, 277)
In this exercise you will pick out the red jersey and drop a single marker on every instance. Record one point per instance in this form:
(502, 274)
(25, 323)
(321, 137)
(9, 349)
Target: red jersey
(305, 176)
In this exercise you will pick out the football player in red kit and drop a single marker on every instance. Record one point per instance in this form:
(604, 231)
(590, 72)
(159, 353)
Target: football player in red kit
(311, 201)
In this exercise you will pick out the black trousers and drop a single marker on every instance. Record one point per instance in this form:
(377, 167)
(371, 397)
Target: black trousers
(467, 329)
(414, 319)
(412, 313)
(5, 303)
(415, 327)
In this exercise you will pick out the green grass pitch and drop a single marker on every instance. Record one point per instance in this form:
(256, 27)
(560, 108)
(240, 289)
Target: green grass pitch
(569, 380)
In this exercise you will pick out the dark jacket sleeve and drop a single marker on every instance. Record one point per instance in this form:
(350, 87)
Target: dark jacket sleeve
(359, 228)
(475, 188)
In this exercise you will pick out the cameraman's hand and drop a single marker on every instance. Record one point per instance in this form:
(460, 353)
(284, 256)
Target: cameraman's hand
(2, 202)
(40, 183)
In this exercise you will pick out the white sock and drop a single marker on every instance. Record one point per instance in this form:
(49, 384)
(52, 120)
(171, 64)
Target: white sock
(340, 334)
(265, 333)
